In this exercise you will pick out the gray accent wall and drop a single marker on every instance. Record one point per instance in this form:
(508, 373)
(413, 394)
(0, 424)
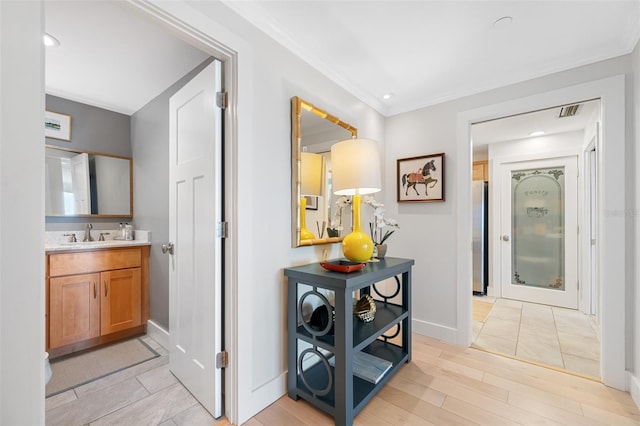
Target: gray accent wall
(150, 147)
(92, 128)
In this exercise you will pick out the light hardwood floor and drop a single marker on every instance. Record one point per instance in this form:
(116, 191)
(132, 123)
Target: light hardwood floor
(449, 385)
(443, 385)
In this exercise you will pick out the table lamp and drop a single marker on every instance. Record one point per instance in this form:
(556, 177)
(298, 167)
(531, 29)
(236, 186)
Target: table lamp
(310, 185)
(355, 168)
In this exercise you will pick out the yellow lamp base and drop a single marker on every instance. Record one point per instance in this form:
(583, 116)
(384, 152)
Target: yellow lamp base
(305, 234)
(357, 246)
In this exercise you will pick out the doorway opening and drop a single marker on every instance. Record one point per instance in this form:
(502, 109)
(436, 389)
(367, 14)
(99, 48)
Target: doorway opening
(228, 58)
(539, 173)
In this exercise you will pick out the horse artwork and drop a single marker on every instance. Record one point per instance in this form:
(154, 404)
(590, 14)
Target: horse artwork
(423, 176)
(428, 171)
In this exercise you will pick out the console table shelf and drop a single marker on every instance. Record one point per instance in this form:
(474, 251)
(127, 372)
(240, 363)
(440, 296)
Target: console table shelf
(336, 390)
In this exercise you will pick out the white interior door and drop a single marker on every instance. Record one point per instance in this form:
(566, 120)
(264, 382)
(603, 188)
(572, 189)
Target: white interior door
(80, 184)
(539, 238)
(195, 209)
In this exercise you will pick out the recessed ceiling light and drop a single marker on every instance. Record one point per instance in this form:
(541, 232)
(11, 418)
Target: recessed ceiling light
(387, 96)
(50, 41)
(538, 133)
(503, 22)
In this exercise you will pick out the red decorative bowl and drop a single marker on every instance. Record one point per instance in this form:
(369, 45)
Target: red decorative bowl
(344, 266)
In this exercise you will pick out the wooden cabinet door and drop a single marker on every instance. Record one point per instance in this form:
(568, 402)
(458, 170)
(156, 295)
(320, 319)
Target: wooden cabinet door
(74, 309)
(480, 170)
(121, 293)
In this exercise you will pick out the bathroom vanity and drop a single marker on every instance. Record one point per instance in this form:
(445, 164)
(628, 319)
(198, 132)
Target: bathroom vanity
(95, 294)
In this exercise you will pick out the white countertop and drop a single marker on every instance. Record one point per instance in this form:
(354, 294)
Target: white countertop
(58, 241)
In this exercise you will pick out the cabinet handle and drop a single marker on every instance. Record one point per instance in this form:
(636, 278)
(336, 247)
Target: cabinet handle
(106, 288)
(95, 290)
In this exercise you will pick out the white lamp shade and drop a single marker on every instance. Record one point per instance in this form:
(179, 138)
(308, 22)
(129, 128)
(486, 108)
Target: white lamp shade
(355, 167)
(310, 174)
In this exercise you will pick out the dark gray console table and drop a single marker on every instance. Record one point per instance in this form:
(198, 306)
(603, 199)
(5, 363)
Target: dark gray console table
(336, 390)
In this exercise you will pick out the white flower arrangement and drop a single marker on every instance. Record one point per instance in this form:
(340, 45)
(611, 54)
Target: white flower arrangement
(377, 228)
(335, 225)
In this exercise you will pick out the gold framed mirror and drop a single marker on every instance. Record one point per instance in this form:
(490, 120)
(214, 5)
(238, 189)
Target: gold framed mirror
(313, 131)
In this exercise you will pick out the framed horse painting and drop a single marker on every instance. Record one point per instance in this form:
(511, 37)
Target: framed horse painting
(421, 179)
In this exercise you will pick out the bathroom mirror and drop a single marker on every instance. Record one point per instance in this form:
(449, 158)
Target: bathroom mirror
(87, 184)
(315, 131)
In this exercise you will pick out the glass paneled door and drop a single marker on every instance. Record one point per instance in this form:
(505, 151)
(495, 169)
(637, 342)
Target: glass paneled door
(539, 231)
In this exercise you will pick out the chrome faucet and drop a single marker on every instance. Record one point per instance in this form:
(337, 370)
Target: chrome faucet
(87, 233)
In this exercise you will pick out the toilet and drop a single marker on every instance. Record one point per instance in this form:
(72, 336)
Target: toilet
(47, 369)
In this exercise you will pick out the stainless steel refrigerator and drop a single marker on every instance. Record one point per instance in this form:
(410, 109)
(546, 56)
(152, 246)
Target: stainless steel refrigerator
(480, 211)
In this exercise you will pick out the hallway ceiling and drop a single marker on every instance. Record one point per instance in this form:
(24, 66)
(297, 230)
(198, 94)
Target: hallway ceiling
(110, 57)
(424, 52)
(550, 121)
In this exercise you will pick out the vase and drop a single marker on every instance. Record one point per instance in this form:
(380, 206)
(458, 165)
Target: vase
(333, 233)
(305, 234)
(381, 250)
(357, 246)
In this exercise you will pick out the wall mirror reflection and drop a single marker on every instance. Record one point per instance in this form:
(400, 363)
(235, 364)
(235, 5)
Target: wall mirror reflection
(317, 215)
(81, 183)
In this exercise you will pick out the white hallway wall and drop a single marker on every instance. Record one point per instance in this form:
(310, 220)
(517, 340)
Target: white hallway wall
(428, 230)
(21, 214)
(269, 76)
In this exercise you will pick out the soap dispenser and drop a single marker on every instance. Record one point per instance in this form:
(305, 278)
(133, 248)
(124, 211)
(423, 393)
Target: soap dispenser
(128, 232)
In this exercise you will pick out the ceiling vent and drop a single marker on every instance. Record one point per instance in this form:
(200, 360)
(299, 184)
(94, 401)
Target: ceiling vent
(568, 111)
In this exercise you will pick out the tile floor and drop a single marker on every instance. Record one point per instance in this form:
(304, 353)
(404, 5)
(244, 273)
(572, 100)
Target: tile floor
(146, 394)
(558, 337)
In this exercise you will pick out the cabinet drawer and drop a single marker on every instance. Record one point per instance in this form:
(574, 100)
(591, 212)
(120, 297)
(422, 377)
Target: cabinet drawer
(93, 261)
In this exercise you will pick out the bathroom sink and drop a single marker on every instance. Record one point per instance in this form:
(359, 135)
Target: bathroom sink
(97, 243)
(59, 240)
(94, 244)
(100, 243)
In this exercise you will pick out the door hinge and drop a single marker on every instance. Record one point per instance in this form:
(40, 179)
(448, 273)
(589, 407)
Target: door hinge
(222, 99)
(222, 230)
(222, 359)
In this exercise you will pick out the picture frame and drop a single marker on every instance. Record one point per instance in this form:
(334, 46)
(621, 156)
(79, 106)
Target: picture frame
(312, 202)
(421, 179)
(57, 126)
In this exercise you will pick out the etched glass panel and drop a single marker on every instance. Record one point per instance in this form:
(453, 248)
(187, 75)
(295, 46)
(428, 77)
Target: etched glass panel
(537, 223)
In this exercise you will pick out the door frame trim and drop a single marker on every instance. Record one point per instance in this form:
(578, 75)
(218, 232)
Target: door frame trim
(173, 17)
(611, 208)
(587, 295)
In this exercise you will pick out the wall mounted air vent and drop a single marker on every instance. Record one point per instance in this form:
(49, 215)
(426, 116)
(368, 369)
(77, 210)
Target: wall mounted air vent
(569, 111)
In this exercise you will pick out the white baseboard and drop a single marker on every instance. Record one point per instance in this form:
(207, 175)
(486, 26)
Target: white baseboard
(158, 334)
(268, 393)
(634, 388)
(436, 331)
